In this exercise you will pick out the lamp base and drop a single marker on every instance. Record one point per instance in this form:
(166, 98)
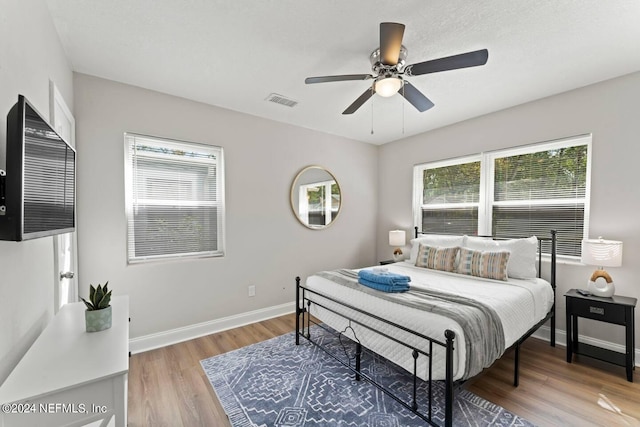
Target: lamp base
(600, 289)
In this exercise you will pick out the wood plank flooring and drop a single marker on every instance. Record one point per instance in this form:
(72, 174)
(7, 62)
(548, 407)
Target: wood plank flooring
(167, 386)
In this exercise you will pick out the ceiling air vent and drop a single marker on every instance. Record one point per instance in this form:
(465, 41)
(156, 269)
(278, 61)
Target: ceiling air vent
(282, 100)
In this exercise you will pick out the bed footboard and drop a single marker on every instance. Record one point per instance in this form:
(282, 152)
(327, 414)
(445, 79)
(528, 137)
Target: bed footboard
(304, 322)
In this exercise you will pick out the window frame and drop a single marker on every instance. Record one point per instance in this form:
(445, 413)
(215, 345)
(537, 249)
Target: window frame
(486, 201)
(418, 186)
(219, 203)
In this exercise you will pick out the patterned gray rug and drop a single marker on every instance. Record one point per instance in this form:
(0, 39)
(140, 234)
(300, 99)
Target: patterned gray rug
(277, 384)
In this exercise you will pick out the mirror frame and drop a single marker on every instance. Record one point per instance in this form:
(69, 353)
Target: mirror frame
(294, 189)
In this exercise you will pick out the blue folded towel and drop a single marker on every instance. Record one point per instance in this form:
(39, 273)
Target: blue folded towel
(382, 287)
(384, 277)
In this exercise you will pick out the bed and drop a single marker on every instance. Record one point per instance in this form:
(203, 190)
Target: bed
(453, 322)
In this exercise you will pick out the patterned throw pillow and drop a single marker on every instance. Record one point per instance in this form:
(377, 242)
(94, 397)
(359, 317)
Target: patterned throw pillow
(442, 259)
(524, 252)
(437, 240)
(490, 265)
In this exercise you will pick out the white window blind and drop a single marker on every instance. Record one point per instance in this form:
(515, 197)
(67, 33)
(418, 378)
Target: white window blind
(174, 199)
(536, 189)
(448, 196)
(515, 192)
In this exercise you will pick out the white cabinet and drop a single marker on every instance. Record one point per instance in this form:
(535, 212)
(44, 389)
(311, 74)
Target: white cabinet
(70, 377)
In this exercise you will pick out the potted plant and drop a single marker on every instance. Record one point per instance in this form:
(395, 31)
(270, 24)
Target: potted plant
(98, 313)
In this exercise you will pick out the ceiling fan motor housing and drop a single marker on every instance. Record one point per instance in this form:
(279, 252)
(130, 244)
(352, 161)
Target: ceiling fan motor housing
(379, 67)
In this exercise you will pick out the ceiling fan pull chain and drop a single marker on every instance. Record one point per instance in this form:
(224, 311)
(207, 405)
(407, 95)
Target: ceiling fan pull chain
(403, 110)
(372, 116)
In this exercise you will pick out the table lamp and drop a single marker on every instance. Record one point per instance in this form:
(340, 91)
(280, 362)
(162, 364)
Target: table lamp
(397, 238)
(601, 253)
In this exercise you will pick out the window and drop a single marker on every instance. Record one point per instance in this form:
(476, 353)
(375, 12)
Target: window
(515, 192)
(450, 196)
(319, 202)
(174, 199)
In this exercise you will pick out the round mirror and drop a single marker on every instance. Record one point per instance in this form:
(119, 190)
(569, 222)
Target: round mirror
(315, 197)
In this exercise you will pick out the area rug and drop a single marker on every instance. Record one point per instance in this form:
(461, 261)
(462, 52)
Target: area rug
(275, 383)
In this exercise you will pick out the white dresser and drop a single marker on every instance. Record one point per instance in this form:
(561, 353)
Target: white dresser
(70, 377)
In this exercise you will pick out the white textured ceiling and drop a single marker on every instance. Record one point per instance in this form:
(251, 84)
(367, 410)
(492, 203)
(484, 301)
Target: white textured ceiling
(234, 53)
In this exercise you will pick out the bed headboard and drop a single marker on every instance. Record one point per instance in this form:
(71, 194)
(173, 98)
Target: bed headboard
(551, 240)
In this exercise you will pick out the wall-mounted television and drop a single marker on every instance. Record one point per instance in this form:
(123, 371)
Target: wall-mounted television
(37, 195)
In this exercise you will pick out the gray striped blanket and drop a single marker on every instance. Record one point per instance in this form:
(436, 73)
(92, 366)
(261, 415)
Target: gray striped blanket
(482, 328)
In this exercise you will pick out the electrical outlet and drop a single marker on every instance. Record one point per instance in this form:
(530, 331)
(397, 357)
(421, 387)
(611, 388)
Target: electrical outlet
(252, 290)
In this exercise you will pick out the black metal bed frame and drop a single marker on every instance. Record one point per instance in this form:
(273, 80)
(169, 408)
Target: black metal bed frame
(304, 321)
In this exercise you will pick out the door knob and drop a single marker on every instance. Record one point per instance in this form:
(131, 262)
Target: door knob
(67, 275)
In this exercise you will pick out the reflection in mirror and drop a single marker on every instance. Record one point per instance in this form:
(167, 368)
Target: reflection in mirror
(315, 197)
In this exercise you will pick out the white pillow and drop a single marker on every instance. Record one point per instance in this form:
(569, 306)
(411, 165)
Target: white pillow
(522, 261)
(435, 240)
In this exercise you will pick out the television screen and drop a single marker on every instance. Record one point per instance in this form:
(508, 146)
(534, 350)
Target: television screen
(40, 177)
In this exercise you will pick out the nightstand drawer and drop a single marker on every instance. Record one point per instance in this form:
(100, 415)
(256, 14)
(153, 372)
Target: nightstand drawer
(598, 310)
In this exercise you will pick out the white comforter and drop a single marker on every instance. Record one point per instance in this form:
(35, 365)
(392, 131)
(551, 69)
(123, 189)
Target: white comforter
(520, 304)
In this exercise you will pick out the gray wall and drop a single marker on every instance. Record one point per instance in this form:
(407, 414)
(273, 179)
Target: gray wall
(262, 158)
(608, 110)
(30, 55)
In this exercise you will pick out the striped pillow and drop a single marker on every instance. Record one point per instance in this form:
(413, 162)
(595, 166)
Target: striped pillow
(490, 265)
(436, 258)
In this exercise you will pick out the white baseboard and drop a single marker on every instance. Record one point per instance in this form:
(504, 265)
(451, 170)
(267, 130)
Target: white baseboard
(173, 336)
(561, 338)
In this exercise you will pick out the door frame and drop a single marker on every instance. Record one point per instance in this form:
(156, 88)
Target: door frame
(58, 104)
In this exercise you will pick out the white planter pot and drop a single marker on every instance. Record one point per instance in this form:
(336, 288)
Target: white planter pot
(98, 320)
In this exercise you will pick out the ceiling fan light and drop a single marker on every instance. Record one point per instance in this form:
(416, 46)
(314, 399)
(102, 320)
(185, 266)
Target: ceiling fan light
(388, 87)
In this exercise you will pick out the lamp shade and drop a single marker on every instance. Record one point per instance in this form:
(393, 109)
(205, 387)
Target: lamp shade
(388, 87)
(600, 252)
(397, 238)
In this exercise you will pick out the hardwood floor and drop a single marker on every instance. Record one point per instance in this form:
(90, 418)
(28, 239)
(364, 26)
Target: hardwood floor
(167, 386)
(553, 392)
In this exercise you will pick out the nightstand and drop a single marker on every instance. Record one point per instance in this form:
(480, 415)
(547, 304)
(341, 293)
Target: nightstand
(387, 261)
(618, 310)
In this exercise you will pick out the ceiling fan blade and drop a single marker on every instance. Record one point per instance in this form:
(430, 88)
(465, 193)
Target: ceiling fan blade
(390, 42)
(463, 60)
(358, 102)
(415, 97)
(344, 77)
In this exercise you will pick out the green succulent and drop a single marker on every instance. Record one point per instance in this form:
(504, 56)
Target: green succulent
(99, 297)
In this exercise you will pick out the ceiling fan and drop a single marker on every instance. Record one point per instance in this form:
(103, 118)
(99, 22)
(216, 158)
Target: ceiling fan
(390, 71)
